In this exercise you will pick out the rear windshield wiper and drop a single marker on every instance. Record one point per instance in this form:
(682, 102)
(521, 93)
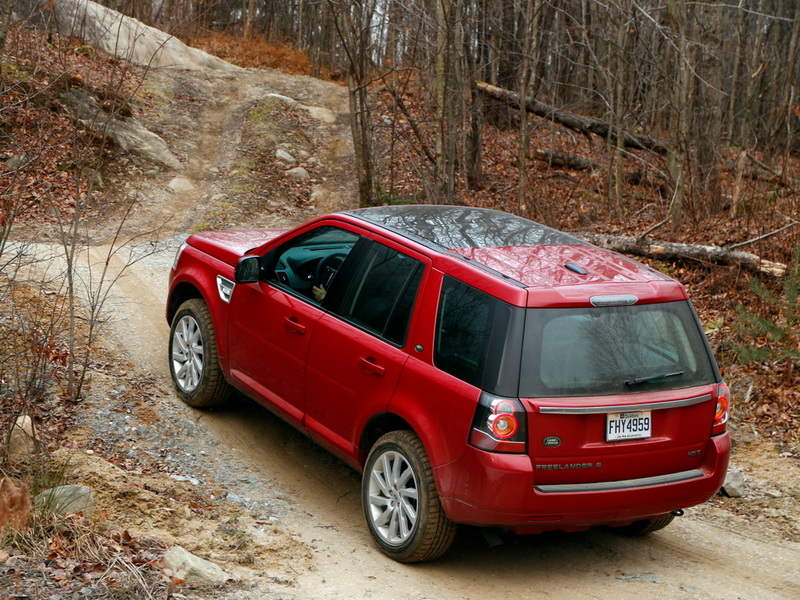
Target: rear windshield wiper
(639, 380)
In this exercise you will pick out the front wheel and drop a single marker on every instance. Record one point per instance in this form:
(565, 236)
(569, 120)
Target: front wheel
(193, 359)
(401, 503)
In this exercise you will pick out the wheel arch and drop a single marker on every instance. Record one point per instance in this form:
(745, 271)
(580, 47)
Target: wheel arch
(203, 289)
(376, 427)
(183, 291)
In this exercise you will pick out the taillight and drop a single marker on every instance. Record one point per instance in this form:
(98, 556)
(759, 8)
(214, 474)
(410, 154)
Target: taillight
(721, 410)
(500, 425)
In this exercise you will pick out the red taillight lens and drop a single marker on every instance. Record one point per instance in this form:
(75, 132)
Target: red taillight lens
(721, 410)
(504, 426)
(500, 425)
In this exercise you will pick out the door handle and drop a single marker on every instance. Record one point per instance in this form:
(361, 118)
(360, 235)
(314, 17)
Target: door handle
(370, 366)
(293, 325)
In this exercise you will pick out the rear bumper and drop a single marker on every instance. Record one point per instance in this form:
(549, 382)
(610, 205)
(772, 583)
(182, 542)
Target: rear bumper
(499, 490)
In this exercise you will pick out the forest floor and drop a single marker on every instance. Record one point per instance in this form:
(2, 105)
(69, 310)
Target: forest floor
(242, 489)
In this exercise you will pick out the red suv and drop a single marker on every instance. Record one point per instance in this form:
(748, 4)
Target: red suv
(477, 368)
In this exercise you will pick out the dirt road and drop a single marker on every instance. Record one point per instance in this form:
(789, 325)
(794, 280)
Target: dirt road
(303, 504)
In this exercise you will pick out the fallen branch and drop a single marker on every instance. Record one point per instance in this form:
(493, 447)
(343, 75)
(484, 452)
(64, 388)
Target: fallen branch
(765, 236)
(580, 123)
(672, 250)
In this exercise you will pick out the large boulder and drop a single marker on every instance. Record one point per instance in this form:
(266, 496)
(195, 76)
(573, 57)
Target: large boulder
(65, 499)
(128, 38)
(128, 133)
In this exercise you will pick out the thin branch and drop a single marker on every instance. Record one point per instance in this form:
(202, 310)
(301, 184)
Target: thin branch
(765, 236)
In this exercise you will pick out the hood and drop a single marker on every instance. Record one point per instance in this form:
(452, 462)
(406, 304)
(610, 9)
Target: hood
(230, 246)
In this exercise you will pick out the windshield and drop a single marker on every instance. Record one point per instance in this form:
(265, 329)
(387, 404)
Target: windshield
(613, 350)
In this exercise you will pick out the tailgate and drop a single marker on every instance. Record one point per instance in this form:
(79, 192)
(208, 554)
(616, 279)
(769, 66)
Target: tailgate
(582, 440)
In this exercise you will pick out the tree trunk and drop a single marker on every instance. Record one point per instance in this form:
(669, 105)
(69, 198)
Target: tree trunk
(731, 121)
(445, 156)
(353, 26)
(5, 22)
(708, 117)
(678, 16)
(789, 93)
(530, 52)
(251, 15)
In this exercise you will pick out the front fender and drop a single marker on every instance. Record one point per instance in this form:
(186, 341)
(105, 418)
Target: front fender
(195, 276)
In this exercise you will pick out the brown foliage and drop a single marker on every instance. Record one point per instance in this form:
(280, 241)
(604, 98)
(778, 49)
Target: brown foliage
(255, 52)
(15, 503)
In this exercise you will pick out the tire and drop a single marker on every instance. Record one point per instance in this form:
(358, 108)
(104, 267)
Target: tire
(645, 526)
(401, 503)
(193, 358)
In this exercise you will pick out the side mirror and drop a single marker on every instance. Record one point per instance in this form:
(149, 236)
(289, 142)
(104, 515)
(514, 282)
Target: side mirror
(248, 268)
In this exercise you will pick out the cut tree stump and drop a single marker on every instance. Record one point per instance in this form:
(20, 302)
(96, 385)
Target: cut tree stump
(672, 250)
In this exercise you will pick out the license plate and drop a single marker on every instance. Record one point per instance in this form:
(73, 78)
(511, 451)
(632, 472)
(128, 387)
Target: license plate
(628, 426)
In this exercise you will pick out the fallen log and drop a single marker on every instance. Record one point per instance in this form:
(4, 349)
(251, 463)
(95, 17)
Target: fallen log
(580, 123)
(558, 159)
(672, 250)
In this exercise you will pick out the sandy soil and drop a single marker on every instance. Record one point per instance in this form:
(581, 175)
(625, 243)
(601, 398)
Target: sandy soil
(241, 488)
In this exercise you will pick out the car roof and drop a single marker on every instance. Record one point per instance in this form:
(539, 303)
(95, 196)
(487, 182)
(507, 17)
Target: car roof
(453, 227)
(524, 253)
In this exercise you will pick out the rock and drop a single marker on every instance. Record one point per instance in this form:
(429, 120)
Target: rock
(16, 161)
(22, 442)
(284, 99)
(180, 184)
(129, 134)
(185, 565)
(773, 493)
(15, 503)
(128, 38)
(65, 499)
(284, 156)
(734, 484)
(321, 114)
(297, 173)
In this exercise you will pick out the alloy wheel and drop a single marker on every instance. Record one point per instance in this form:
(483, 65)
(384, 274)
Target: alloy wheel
(393, 498)
(187, 354)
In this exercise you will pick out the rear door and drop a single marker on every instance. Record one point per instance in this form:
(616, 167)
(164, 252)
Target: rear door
(358, 349)
(571, 441)
(617, 393)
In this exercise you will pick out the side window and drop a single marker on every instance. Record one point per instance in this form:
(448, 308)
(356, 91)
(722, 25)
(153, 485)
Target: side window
(382, 293)
(308, 264)
(464, 331)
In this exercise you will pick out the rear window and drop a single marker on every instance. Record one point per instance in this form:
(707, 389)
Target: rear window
(613, 350)
(478, 338)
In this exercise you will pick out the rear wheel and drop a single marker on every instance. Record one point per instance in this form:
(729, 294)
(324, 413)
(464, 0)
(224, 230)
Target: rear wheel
(401, 503)
(193, 358)
(645, 526)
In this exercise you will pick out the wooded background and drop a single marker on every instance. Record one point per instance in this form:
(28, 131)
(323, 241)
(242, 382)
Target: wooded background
(693, 76)
(691, 98)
